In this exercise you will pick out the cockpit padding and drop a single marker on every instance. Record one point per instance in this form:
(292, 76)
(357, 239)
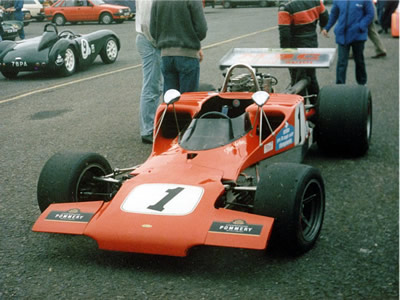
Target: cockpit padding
(48, 38)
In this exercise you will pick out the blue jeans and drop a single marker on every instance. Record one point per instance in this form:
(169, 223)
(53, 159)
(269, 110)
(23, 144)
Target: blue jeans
(343, 59)
(181, 73)
(152, 83)
(19, 16)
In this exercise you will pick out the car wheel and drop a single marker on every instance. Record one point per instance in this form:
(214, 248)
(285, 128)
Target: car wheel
(10, 74)
(68, 177)
(106, 18)
(69, 65)
(227, 4)
(109, 53)
(294, 195)
(344, 119)
(59, 20)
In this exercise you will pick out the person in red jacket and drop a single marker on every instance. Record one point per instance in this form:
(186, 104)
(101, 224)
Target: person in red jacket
(297, 21)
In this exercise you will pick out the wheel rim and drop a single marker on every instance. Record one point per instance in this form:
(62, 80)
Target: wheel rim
(112, 50)
(87, 188)
(59, 21)
(106, 19)
(311, 210)
(369, 120)
(69, 60)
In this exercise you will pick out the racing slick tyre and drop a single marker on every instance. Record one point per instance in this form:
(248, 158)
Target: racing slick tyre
(293, 194)
(59, 20)
(106, 18)
(69, 65)
(109, 53)
(10, 74)
(344, 119)
(68, 177)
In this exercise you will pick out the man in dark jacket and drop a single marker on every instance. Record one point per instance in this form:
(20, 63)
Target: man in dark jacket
(178, 27)
(353, 18)
(297, 20)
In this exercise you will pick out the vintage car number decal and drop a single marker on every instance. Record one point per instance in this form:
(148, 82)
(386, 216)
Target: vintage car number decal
(85, 49)
(163, 199)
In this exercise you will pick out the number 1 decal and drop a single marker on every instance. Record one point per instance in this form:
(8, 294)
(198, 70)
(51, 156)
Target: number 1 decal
(171, 193)
(166, 199)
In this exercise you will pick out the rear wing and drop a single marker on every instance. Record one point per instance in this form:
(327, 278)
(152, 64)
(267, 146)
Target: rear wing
(279, 58)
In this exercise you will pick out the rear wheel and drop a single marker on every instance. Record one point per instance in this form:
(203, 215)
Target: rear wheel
(227, 4)
(68, 177)
(59, 20)
(10, 74)
(109, 53)
(106, 18)
(294, 195)
(69, 65)
(344, 119)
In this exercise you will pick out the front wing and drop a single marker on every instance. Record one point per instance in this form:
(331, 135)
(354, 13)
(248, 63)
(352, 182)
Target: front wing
(132, 223)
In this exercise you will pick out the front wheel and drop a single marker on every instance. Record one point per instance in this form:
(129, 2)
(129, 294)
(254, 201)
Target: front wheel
(69, 177)
(109, 53)
(10, 74)
(294, 195)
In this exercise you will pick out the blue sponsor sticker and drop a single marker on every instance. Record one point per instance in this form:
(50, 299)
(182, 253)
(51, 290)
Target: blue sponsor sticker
(285, 137)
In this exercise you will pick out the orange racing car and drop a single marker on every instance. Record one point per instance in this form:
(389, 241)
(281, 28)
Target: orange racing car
(225, 167)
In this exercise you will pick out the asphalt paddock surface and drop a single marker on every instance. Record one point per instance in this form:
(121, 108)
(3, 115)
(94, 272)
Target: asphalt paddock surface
(356, 256)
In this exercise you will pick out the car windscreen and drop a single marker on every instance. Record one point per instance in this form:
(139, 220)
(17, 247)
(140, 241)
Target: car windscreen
(98, 2)
(214, 131)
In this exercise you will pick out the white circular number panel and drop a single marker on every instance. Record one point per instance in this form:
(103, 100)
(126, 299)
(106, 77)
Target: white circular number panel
(163, 199)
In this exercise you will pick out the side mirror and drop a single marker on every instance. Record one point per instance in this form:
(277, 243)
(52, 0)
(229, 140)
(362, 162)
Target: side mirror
(171, 96)
(260, 98)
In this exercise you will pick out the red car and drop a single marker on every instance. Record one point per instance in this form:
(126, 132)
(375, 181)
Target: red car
(225, 168)
(86, 10)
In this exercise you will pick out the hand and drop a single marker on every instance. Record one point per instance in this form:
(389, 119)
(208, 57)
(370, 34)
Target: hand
(325, 33)
(201, 55)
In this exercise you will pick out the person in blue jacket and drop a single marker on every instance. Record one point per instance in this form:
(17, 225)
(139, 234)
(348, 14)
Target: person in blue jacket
(353, 18)
(19, 15)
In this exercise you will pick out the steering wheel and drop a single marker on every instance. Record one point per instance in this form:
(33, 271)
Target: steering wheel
(54, 27)
(66, 34)
(215, 113)
(220, 114)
